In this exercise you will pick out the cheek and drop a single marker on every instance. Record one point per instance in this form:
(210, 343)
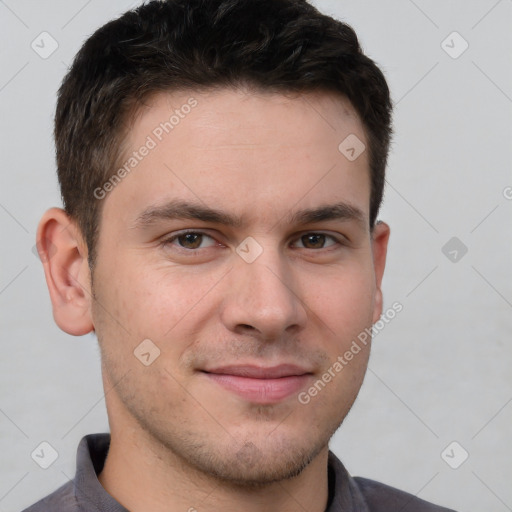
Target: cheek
(125, 306)
(157, 301)
(344, 300)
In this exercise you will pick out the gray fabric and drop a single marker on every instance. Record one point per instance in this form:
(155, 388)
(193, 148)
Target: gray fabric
(84, 492)
(346, 494)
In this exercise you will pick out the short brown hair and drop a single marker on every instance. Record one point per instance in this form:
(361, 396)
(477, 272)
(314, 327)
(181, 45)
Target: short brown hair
(279, 45)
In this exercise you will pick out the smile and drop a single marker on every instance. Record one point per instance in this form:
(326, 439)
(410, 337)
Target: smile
(259, 384)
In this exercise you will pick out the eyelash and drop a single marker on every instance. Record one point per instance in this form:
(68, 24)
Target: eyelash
(168, 241)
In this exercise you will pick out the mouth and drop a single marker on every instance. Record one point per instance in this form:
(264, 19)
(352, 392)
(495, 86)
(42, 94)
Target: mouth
(259, 384)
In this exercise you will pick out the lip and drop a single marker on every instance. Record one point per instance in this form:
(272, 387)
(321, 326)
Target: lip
(258, 384)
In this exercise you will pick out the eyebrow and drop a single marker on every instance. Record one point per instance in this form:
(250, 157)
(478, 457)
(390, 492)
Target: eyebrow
(177, 210)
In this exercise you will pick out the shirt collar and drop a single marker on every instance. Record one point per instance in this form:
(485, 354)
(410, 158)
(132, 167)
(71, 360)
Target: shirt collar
(344, 493)
(343, 490)
(90, 458)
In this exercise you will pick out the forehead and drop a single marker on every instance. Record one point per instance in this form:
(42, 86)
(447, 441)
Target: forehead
(245, 149)
(243, 116)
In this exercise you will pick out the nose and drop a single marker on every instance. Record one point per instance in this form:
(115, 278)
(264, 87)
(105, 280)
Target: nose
(262, 299)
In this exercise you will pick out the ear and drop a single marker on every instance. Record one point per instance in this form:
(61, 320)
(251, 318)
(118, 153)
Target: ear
(380, 238)
(63, 253)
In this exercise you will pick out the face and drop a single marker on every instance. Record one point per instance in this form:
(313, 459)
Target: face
(239, 245)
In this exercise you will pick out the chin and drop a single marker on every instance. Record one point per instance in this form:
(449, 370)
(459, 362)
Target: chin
(253, 466)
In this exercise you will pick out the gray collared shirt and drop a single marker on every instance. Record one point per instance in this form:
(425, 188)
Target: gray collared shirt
(346, 494)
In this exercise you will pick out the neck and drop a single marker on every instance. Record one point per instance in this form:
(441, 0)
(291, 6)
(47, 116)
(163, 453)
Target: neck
(147, 477)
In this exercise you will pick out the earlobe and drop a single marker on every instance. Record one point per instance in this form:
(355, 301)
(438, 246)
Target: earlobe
(380, 238)
(64, 256)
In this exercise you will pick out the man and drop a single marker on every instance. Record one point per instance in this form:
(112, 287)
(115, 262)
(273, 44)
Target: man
(221, 164)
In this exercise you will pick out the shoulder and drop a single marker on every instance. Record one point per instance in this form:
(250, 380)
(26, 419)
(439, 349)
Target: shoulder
(61, 500)
(383, 498)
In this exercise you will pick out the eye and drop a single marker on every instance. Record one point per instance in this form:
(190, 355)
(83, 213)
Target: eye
(316, 241)
(194, 240)
(190, 240)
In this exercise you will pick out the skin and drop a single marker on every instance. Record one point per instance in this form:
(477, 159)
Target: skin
(179, 440)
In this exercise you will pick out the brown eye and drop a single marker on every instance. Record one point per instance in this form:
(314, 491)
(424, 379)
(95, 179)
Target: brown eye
(190, 240)
(316, 241)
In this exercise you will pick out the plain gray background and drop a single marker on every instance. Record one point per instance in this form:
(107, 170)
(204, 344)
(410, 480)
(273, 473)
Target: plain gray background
(439, 372)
